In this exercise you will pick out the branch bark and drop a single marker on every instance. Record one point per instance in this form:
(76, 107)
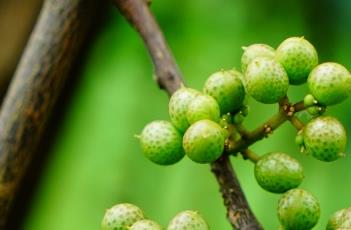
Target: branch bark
(38, 80)
(169, 78)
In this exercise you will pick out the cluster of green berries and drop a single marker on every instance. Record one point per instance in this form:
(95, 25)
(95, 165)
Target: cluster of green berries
(203, 123)
(195, 122)
(127, 216)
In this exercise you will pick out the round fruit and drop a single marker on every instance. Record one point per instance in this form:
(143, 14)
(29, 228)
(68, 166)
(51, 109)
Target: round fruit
(121, 217)
(253, 51)
(145, 225)
(161, 143)
(203, 107)
(178, 106)
(227, 88)
(298, 209)
(266, 80)
(340, 220)
(188, 220)
(299, 57)
(203, 142)
(329, 83)
(325, 138)
(278, 172)
(309, 100)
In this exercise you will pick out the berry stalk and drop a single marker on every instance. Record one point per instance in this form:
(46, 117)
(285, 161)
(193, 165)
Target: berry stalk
(169, 78)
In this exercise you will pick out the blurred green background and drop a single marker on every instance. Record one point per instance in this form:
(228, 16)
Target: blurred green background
(96, 162)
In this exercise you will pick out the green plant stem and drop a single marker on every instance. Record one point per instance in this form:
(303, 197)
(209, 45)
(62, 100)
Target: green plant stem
(257, 134)
(296, 123)
(249, 154)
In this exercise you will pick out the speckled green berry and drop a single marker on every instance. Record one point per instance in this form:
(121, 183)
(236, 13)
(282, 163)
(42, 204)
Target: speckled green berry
(145, 225)
(121, 217)
(188, 220)
(299, 57)
(203, 142)
(178, 106)
(329, 83)
(253, 51)
(227, 88)
(340, 220)
(278, 172)
(325, 138)
(203, 107)
(161, 143)
(298, 209)
(266, 80)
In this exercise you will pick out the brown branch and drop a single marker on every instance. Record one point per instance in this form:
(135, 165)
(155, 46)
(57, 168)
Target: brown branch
(140, 17)
(40, 75)
(169, 78)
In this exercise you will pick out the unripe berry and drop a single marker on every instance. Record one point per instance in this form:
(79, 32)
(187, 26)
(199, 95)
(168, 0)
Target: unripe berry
(309, 100)
(253, 51)
(203, 107)
(340, 220)
(161, 143)
(121, 217)
(203, 142)
(278, 172)
(178, 106)
(299, 57)
(325, 138)
(266, 80)
(316, 110)
(227, 88)
(329, 83)
(298, 209)
(145, 225)
(188, 220)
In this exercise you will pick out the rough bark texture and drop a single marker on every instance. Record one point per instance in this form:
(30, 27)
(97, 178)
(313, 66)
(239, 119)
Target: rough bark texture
(40, 75)
(169, 78)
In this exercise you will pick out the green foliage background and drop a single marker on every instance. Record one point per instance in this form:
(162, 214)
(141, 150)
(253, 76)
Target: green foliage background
(97, 162)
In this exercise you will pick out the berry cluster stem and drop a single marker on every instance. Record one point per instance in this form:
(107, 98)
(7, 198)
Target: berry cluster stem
(285, 113)
(169, 78)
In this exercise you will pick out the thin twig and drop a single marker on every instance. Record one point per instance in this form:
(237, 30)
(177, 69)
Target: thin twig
(249, 154)
(299, 106)
(297, 123)
(169, 78)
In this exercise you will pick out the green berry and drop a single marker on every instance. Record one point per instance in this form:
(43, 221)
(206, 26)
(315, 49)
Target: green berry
(299, 57)
(121, 217)
(253, 51)
(340, 220)
(188, 220)
(325, 138)
(161, 143)
(227, 88)
(238, 118)
(203, 142)
(226, 120)
(299, 139)
(329, 83)
(316, 110)
(309, 100)
(278, 172)
(145, 225)
(203, 107)
(178, 106)
(298, 209)
(266, 80)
